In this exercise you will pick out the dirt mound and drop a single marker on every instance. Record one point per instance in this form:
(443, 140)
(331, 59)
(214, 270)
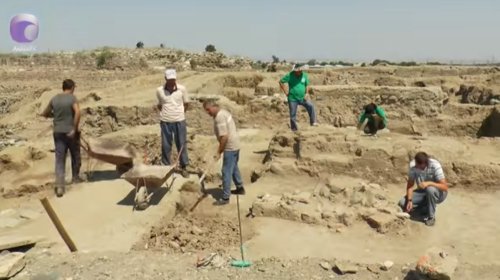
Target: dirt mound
(193, 234)
(491, 125)
(197, 232)
(390, 81)
(104, 119)
(478, 95)
(334, 205)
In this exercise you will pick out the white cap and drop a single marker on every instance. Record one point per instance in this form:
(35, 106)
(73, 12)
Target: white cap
(300, 67)
(170, 74)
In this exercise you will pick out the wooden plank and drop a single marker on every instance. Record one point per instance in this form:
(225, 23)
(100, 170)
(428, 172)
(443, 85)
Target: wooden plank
(15, 241)
(59, 226)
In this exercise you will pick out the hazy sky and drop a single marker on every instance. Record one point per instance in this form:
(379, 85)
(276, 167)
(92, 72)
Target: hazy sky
(291, 29)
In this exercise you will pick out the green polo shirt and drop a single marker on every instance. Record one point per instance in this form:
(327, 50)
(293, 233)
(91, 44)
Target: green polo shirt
(296, 85)
(379, 111)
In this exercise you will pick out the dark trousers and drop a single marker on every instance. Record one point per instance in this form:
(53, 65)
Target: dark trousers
(425, 201)
(174, 131)
(63, 143)
(375, 123)
(230, 172)
(292, 106)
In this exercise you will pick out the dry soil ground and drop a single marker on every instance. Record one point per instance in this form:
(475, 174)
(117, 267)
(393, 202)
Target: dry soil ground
(311, 196)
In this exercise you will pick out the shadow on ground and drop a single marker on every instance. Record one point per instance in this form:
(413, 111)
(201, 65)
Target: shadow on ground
(158, 194)
(103, 175)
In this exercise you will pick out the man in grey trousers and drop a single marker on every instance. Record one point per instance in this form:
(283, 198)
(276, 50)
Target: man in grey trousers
(173, 101)
(66, 113)
(432, 188)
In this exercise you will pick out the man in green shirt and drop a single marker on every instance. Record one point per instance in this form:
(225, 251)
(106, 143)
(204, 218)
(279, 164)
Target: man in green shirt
(376, 119)
(298, 82)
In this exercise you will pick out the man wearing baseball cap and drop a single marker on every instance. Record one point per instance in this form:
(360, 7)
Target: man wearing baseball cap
(173, 100)
(298, 82)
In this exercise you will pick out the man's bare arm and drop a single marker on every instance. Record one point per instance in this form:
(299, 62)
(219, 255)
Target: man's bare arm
(442, 185)
(409, 188)
(222, 143)
(47, 112)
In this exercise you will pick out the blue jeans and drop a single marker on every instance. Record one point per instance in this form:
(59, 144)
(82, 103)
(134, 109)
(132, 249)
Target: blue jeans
(169, 132)
(425, 201)
(292, 105)
(230, 171)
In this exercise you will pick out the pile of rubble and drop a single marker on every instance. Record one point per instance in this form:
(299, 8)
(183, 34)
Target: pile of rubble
(335, 206)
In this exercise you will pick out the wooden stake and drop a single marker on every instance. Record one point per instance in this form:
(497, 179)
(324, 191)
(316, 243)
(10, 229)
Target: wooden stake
(57, 223)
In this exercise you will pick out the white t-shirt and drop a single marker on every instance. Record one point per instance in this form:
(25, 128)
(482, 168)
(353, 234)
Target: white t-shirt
(172, 104)
(433, 172)
(224, 125)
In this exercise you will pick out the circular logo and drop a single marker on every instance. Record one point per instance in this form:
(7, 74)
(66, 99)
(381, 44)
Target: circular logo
(24, 28)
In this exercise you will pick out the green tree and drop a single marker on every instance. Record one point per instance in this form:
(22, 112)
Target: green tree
(210, 48)
(103, 58)
(139, 45)
(312, 62)
(162, 45)
(275, 59)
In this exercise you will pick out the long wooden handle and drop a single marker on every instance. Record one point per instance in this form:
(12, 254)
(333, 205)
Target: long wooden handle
(59, 226)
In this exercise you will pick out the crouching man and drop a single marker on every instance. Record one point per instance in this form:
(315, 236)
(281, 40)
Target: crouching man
(229, 148)
(376, 117)
(432, 187)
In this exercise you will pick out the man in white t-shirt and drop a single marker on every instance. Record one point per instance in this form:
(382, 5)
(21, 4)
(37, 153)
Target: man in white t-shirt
(173, 101)
(432, 187)
(229, 148)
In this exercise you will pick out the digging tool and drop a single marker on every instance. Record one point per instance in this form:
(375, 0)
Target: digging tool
(242, 262)
(201, 182)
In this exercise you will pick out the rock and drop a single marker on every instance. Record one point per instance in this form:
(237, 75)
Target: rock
(437, 265)
(324, 191)
(380, 221)
(403, 215)
(325, 265)
(373, 268)
(8, 212)
(387, 265)
(9, 222)
(308, 219)
(342, 267)
(303, 197)
(11, 264)
(359, 152)
(174, 245)
(196, 230)
(14, 241)
(28, 214)
(334, 188)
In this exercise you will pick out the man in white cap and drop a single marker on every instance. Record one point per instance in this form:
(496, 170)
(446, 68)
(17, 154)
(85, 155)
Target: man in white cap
(298, 82)
(173, 101)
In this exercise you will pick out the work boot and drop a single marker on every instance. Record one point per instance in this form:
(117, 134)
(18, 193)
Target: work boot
(221, 202)
(430, 221)
(238, 191)
(77, 180)
(59, 190)
(184, 173)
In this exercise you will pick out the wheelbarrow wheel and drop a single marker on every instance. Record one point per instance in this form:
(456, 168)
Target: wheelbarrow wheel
(141, 198)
